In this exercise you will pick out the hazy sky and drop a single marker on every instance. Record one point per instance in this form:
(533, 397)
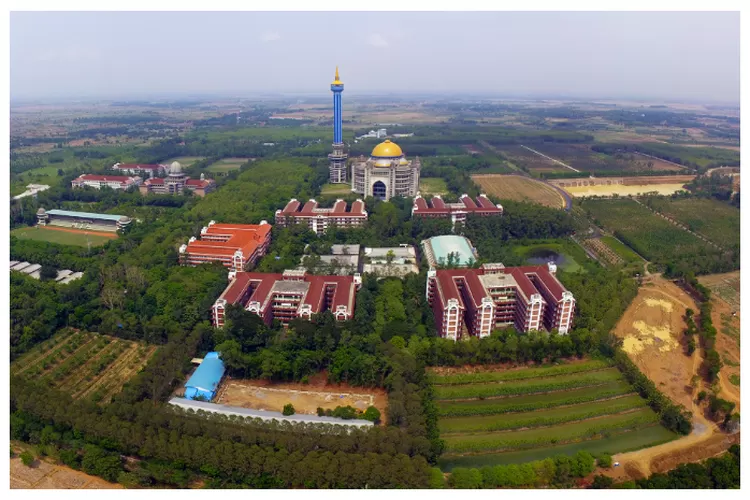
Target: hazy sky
(692, 55)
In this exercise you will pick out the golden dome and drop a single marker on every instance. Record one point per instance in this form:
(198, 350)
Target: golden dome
(387, 149)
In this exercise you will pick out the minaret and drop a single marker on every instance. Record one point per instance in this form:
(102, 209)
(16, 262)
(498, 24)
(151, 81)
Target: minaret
(337, 169)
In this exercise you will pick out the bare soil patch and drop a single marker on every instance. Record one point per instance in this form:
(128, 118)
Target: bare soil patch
(44, 475)
(306, 398)
(454, 370)
(652, 332)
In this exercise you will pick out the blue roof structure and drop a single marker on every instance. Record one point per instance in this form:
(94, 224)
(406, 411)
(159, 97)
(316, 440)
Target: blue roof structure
(69, 213)
(205, 380)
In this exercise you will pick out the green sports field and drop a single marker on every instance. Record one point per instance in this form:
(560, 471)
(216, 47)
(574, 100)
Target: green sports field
(226, 165)
(61, 237)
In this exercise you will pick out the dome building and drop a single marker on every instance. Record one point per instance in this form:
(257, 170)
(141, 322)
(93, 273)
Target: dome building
(387, 173)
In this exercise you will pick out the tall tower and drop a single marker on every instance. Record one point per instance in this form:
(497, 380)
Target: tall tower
(337, 169)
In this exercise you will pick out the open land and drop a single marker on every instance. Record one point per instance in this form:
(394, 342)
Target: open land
(43, 475)
(306, 398)
(517, 188)
(432, 185)
(184, 161)
(582, 157)
(336, 189)
(490, 416)
(623, 190)
(84, 364)
(227, 165)
(64, 236)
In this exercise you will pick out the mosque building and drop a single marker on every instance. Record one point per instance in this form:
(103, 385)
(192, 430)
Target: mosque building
(387, 173)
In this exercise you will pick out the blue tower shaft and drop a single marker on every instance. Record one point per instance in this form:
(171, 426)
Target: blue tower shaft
(338, 136)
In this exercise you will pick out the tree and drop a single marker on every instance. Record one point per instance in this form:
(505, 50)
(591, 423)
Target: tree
(288, 409)
(372, 414)
(47, 273)
(602, 482)
(604, 461)
(389, 257)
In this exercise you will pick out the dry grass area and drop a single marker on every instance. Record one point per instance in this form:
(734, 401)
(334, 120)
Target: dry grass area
(517, 188)
(306, 398)
(652, 329)
(43, 475)
(623, 190)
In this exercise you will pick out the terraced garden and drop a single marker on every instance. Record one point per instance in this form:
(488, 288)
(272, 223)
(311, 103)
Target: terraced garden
(526, 414)
(84, 364)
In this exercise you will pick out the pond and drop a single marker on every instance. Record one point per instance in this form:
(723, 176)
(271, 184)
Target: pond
(540, 256)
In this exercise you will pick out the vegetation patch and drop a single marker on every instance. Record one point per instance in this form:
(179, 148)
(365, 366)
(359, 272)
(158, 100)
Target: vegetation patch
(63, 236)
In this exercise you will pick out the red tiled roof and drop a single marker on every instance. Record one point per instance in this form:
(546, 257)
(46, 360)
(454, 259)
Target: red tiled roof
(486, 203)
(245, 237)
(527, 287)
(154, 181)
(437, 202)
(199, 182)
(138, 166)
(548, 280)
(309, 206)
(468, 202)
(311, 209)
(292, 206)
(482, 205)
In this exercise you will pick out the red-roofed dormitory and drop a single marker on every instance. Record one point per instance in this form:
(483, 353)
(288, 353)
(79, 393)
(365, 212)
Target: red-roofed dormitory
(318, 219)
(477, 301)
(284, 297)
(237, 246)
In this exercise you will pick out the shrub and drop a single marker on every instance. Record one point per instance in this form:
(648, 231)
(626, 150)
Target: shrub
(288, 409)
(604, 461)
(27, 458)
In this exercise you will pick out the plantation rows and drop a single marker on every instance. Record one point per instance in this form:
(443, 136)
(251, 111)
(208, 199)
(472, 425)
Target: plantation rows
(534, 385)
(583, 429)
(533, 402)
(84, 364)
(520, 374)
(540, 418)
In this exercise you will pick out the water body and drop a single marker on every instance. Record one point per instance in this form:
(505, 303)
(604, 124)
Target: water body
(540, 256)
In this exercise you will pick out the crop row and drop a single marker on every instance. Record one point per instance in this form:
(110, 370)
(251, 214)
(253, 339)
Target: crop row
(527, 387)
(57, 356)
(583, 429)
(78, 359)
(531, 402)
(520, 374)
(554, 416)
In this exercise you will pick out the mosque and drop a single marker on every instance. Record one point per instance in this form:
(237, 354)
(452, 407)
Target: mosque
(387, 173)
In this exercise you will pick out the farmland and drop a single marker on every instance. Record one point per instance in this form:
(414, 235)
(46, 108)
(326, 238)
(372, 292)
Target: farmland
(517, 188)
(653, 237)
(524, 414)
(713, 219)
(63, 236)
(84, 364)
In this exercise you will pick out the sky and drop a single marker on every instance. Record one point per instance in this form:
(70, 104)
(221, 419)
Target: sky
(691, 56)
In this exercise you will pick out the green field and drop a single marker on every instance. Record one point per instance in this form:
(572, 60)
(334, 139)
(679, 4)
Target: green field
(336, 189)
(650, 235)
(60, 237)
(621, 249)
(432, 185)
(184, 161)
(713, 219)
(226, 165)
(521, 415)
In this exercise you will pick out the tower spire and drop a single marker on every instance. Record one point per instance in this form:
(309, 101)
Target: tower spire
(337, 73)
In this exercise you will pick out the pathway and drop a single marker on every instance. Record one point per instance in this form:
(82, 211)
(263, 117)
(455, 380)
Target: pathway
(551, 159)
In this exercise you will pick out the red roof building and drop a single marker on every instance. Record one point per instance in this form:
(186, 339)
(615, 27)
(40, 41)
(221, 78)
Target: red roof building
(437, 208)
(318, 219)
(110, 181)
(479, 300)
(147, 170)
(237, 246)
(284, 297)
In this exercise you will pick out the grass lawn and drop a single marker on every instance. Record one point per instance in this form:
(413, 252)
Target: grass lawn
(432, 185)
(336, 189)
(60, 236)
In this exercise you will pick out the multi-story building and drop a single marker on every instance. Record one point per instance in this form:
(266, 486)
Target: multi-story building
(318, 219)
(387, 173)
(236, 246)
(476, 301)
(284, 297)
(110, 181)
(337, 169)
(143, 170)
(437, 208)
(177, 183)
